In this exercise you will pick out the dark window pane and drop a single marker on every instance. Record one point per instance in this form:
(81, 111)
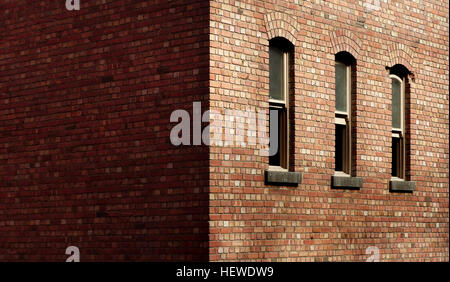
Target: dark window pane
(274, 137)
(341, 87)
(276, 73)
(395, 157)
(396, 103)
(339, 147)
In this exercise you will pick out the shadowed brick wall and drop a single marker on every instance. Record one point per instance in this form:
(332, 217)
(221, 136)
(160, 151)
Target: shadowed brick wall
(313, 222)
(85, 154)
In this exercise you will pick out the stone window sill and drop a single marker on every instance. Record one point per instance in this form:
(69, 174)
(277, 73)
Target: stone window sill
(346, 182)
(282, 178)
(399, 185)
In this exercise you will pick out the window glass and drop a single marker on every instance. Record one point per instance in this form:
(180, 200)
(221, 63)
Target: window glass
(276, 73)
(395, 156)
(341, 87)
(339, 157)
(274, 136)
(396, 103)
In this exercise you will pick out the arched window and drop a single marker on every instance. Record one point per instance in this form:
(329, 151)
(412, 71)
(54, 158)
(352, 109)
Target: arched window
(280, 55)
(399, 80)
(345, 78)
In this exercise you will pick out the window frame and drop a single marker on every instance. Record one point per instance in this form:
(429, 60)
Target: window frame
(345, 119)
(399, 133)
(283, 105)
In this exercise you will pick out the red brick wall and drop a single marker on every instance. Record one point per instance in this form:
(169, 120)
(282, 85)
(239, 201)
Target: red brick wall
(85, 154)
(312, 222)
(86, 159)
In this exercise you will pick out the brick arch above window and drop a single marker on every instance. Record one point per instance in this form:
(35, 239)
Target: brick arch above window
(344, 40)
(281, 25)
(400, 54)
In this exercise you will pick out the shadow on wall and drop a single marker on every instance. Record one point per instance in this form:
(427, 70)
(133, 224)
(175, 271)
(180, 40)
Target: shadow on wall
(86, 158)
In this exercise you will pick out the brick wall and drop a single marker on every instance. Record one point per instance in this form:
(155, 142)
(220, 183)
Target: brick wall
(85, 154)
(313, 222)
(86, 158)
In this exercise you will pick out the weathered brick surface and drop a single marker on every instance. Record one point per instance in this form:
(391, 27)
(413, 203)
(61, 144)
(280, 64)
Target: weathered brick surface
(86, 159)
(85, 154)
(312, 222)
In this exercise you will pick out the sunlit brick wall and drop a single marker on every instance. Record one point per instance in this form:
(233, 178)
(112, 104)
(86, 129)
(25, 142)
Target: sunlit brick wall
(313, 222)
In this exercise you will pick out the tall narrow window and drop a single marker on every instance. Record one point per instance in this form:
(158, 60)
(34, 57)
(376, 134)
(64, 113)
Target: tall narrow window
(343, 113)
(400, 87)
(279, 103)
(398, 79)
